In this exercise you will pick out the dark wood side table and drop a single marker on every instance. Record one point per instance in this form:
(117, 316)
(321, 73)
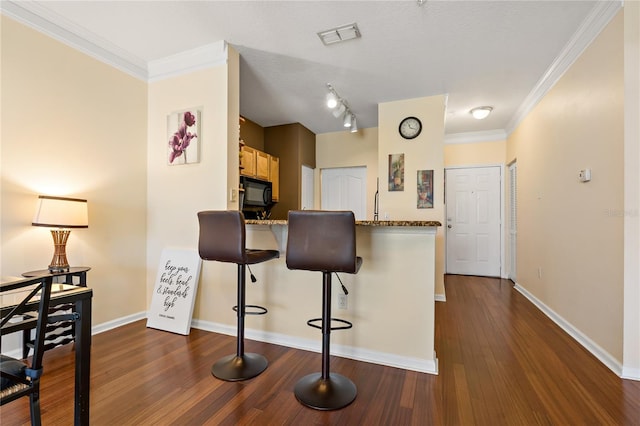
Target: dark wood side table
(76, 271)
(63, 332)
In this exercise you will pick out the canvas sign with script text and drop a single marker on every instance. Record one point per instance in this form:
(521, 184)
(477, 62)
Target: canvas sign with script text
(174, 291)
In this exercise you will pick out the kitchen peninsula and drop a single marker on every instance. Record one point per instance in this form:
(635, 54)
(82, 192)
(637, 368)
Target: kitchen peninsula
(390, 301)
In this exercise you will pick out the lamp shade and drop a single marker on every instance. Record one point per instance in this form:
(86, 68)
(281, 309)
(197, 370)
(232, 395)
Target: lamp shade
(61, 212)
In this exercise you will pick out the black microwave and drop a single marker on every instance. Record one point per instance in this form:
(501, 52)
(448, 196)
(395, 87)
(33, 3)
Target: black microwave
(257, 193)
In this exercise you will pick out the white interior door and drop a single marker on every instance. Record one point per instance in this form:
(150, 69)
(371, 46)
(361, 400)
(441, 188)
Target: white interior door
(308, 193)
(473, 221)
(513, 202)
(345, 188)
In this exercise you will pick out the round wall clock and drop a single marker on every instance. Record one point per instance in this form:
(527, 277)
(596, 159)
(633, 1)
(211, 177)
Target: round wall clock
(410, 127)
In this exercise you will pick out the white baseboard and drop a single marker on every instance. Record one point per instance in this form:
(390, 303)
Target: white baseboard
(580, 337)
(119, 322)
(440, 297)
(630, 373)
(376, 357)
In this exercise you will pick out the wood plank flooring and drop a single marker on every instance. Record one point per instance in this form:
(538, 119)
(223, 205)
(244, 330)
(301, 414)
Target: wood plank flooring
(501, 362)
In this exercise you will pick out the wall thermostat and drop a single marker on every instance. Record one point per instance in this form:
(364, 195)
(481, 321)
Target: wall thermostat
(584, 175)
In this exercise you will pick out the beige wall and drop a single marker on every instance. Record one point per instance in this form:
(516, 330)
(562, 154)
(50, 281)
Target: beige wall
(475, 154)
(177, 193)
(573, 231)
(631, 368)
(73, 126)
(371, 148)
(426, 152)
(346, 149)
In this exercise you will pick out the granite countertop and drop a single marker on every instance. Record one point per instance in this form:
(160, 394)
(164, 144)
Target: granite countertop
(358, 222)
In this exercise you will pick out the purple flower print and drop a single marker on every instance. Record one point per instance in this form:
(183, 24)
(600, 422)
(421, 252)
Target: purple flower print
(189, 118)
(181, 139)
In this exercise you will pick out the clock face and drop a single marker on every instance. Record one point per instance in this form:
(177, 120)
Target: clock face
(410, 127)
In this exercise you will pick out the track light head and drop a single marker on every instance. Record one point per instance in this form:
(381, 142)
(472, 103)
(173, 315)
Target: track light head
(332, 100)
(346, 122)
(339, 110)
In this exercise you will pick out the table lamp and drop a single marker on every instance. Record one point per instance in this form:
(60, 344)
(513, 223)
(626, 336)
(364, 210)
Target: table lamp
(64, 213)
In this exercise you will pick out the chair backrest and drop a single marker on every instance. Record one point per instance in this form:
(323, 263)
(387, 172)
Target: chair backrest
(19, 297)
(222, 236)
(322, 241)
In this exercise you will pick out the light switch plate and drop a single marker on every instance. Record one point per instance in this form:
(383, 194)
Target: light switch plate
(584, 175)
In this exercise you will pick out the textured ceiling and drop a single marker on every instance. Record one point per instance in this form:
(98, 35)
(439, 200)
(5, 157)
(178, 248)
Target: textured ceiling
(477, 52)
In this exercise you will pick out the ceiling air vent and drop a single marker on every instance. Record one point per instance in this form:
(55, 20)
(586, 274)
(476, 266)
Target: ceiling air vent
(339, 34)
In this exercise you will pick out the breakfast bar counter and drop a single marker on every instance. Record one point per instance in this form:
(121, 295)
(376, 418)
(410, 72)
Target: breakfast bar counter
(404, 223)
(390, 302)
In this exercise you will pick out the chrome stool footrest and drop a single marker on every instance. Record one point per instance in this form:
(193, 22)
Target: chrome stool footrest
(347, 325)
(259, 310)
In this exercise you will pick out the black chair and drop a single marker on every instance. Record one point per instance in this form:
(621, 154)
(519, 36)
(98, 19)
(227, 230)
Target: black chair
(223, 238)
(324, 241)
(20, 378)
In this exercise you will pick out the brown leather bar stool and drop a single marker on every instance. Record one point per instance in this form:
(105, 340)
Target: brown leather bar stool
(324, 241)
(223, 238)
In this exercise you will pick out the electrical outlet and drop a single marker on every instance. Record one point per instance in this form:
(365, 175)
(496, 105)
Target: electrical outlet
(342, 301)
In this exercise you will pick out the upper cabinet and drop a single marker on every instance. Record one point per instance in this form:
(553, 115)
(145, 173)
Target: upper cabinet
(262, 165)
(247, 161)
(274, 177)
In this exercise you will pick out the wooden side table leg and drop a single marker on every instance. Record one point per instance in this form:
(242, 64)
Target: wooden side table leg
(83, 362)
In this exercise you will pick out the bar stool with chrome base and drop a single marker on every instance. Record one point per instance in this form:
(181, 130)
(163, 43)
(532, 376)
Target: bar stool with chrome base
(324, 241)
(223, 238)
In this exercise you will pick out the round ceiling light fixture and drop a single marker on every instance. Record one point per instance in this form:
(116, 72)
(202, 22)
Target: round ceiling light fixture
(480, 113)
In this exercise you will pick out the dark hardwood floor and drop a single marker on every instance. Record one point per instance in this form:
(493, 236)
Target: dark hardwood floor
(501, 362)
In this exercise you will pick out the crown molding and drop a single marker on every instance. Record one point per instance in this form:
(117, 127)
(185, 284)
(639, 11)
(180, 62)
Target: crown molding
(55, 26)
(43, 20)
(206, 56)
(476, 137)
(592, 25)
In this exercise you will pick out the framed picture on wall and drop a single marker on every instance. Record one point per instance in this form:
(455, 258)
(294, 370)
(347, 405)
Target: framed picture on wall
(396, 172)
(424, 185)
(183, 135)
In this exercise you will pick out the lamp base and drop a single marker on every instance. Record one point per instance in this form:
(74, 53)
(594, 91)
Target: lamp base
(59, 261)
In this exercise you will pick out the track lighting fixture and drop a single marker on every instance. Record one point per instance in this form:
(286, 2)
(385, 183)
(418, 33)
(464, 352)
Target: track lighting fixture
(340, 109)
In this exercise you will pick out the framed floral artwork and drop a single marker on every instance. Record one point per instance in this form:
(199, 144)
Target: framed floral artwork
(424, 185)
(396, 172)
(183, 135)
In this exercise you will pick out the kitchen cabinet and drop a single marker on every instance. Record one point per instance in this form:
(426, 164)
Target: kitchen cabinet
(248, 161)
(262, 165)
(274, 177)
